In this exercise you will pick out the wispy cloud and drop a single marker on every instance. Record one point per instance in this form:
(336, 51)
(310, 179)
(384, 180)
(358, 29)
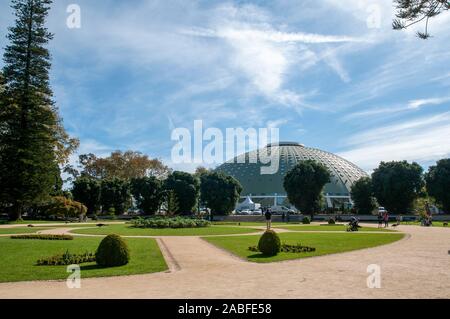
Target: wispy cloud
(415, 104)
(423, 139)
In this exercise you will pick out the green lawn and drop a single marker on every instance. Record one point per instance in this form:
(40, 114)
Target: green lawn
(435, 224)
(128, 230)
(19, 257)
(326, 227)
(21, 230)
(324, 243)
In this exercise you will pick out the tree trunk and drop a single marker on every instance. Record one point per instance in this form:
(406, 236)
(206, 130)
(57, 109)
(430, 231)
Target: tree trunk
(16, 212)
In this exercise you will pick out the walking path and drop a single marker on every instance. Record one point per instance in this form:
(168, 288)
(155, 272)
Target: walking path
(415, 267)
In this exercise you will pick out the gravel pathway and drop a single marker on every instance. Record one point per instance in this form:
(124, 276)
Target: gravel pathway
(415, 267)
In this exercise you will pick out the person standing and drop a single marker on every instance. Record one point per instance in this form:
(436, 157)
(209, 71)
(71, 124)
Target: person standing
(380, 220)
(386, 219)
(268, 216)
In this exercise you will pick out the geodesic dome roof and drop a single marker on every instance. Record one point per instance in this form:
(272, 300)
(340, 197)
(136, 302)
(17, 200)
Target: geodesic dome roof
(246, 168)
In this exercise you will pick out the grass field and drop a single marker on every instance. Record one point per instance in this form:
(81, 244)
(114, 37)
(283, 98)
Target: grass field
(324, 243)
(21, 230)
(19, 257)
(327, 227)
(435, 224)
(128, 230)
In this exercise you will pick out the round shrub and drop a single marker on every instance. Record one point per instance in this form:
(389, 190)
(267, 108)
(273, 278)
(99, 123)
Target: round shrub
(306, 220)
(331, 221)
(269, 243)
(112, 251)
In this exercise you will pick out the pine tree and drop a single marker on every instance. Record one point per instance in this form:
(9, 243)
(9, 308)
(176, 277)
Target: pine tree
(29, 121)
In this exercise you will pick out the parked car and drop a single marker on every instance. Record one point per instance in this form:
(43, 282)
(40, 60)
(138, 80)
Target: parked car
(257, 212)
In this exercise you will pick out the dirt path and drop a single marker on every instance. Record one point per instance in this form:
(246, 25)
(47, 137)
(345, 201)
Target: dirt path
(416, 267)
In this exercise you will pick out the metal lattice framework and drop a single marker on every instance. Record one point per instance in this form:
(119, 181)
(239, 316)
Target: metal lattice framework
(247, 169)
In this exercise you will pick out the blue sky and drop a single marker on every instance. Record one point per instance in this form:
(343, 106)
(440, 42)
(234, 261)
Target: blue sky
(324, 72)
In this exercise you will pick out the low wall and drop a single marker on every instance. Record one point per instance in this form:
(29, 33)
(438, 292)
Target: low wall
(298, 218)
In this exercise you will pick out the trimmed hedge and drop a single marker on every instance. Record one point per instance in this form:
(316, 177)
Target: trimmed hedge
(285, 248)
(43, 237)
(269, 243)
(67, 259)
(112, 251)
(306, 220)
(174, 222)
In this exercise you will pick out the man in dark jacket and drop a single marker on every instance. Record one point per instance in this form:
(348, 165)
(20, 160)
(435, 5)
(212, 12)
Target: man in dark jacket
(268, 216)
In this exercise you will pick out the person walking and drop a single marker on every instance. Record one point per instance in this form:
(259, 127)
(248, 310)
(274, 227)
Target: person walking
(268, 216)
(386, 219)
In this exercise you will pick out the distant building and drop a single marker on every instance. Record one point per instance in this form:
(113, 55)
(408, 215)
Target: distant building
(268, 189)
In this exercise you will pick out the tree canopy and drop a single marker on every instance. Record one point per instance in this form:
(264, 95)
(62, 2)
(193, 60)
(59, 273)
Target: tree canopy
(410, 12)
(148, 193)
(186, 188)
(362, 196)
(219, 192)
(124, 165)
(32, 138)
(304, 185)
(397, 184)
(438, 183)
(87, 191)
(115, 193)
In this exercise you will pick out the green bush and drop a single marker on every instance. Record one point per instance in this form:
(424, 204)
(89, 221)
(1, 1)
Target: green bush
(175, 222)
(331, 221)
(66, 259)
(269, 243)
(112, 251)
(306, 220)
(43, 237)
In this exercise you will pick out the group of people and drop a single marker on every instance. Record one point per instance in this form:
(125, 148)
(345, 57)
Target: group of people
(383, 218)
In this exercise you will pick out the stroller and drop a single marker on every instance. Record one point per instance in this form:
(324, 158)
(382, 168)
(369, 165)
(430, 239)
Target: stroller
(353, 225)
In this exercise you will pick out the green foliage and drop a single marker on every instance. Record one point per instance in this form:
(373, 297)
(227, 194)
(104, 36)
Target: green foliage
(219, 192)
(397, 184)
(112, 251)
(269, 243)
(410, 12)
(187, 190)
(64, 208)
(43, 237)
(148, 193)
(176, 222)
(331, 221)
(304, 185)
(171, 202)
(67, 259)
(438, 183)
(115, 193)
(285, 248)
(87, 191)
(362, 196)
(306, 220)
(28, 118)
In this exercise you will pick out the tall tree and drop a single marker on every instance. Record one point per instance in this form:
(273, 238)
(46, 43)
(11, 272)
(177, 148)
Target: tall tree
(362, 195)
(30, 128)
(148, 193)
(115, 193)
(304, 185)
(86, 190)
(219, 192)
(124, 165)
(438, 183)
(186, 188)
(397, 184)
(410, 12)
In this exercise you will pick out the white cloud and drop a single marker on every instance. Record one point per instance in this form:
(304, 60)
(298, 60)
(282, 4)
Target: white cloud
(424, 139)
(415, 104)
